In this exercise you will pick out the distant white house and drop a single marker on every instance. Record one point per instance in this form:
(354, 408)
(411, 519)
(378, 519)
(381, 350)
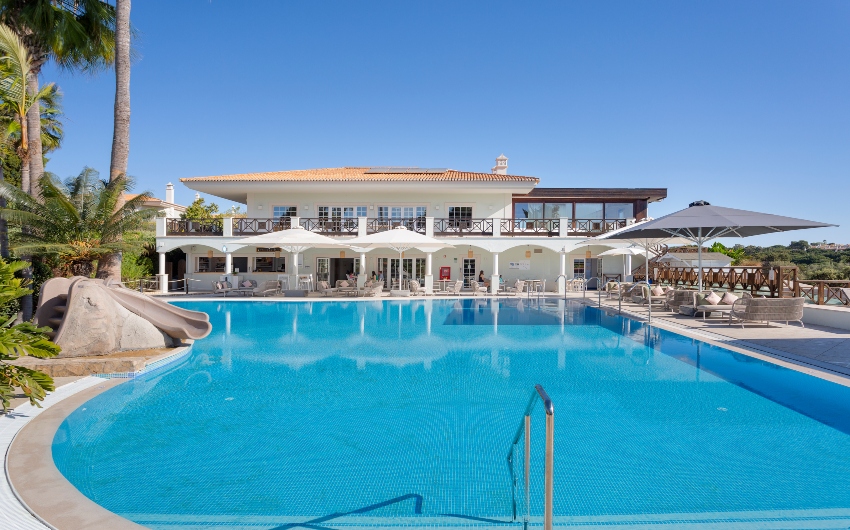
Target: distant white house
(691, 259)
(166, 208)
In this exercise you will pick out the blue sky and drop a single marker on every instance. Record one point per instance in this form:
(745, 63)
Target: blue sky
(742, 104)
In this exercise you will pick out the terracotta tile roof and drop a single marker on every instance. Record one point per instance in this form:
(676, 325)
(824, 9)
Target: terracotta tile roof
(364, 174)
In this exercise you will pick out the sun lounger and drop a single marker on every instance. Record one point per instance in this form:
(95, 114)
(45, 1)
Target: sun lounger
(767, 310)
(269, 287)
(641, 294)
(247, 287)
(373, 290)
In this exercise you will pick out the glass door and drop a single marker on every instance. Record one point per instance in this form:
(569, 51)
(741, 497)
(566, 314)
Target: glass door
(468, 271)
(323, 269)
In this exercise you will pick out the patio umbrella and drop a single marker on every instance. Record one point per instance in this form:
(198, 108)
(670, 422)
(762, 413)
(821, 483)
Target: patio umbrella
(626, 251)
(399, 239)
(701, 222)
(294, 240)
(642, 241)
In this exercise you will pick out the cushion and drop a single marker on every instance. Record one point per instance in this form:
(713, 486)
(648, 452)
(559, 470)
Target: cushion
(246, 283)
(728, 299)
(712, 298)
(657, 291)
(700, 300)
(228, 285)
(218, 285)
(323, 285)
(343, 283)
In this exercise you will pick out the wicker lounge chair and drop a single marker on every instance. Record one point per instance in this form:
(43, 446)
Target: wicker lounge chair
(767, 310)
(517, 289)
(374, 289)
(224, 287)
(247, 287)
(477, 288)
(269, 287)
(416, 289)
(453, 290)
(676, 298)
(642, 294)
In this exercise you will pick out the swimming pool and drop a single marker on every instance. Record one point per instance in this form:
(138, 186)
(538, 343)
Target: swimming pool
(404, 411)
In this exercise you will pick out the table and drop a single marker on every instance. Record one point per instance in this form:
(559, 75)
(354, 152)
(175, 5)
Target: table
(531, 285)
(444, 284)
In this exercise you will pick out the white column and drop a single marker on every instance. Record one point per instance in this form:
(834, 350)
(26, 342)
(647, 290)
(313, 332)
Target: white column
(429, 276)
(564, 229)
(362, 226)
(497, 227)
(228, 263)
(227, 227)
(293, 279)
(160, 227)
(494, 279)
(361, 277)
(562, 280)
(429, 226)
(162, 277)
(628, 276)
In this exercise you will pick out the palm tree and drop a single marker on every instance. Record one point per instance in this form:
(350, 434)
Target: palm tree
(15, 70)
(76, 222)
(110, 266)
(76, 34)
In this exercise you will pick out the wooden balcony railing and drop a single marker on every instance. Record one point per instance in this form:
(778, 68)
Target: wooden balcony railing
(531, 227)
(331, 226)
(382, 224)
(179, 227)
(463, 227)
(593, 227)
(250, 227)
(778, 282)
(826, 292)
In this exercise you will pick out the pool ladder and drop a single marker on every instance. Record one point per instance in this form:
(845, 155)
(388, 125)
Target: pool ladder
(549, 465)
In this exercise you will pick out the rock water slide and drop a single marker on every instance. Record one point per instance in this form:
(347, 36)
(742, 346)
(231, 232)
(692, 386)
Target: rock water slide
(92, 317)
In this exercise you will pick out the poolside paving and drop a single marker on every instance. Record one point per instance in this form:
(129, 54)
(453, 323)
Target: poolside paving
(820, 346)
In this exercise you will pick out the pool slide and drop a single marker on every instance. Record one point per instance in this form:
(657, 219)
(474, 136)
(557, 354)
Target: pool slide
(174, 321)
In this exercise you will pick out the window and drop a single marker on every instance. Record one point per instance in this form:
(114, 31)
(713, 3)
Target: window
(210, 264)
(421, 212)
(383, 212)
(362, 211)
(578, 268)
(400, 212)
(460, 213)
(589, 210)
(528, 210)
(284, 211)
(556, 210)
(341, 212)
(619, 210)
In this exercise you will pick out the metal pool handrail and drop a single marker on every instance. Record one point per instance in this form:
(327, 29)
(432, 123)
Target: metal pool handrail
(549, 466)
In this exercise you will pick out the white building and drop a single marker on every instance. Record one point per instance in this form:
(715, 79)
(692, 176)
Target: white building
(166, 207)
(497, 223)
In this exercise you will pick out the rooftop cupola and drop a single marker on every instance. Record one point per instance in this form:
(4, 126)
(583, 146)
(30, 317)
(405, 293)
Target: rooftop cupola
(501, 167)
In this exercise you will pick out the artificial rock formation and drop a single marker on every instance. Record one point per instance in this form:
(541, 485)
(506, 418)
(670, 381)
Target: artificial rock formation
(95, 324)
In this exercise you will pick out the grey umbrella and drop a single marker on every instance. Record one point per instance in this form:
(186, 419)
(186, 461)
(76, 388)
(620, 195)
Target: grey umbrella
(701, 222)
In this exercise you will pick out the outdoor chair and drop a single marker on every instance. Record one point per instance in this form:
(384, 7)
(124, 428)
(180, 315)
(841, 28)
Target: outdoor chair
(373, 290)
(517, 289)
(416, 289)
(325, 289)
(702, 303)
(453, 290)
(247, 286)
(477, 288)
(767, 310)
(642, 294)
(677, 298)
(268, 287)
(223, 288)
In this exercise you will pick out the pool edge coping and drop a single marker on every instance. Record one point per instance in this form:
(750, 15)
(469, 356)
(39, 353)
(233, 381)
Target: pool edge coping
(36, 436)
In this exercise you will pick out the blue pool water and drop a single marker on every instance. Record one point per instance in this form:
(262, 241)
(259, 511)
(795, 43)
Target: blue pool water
(303, 411)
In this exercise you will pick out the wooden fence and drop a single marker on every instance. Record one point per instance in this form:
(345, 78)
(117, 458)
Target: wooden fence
(776, 282)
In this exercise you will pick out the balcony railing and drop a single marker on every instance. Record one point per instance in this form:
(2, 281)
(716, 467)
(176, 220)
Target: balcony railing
(179, 227)
(331, 226)
(382, 224)
(463, 227)
(347, 227)
(531, 227)
(249, 227)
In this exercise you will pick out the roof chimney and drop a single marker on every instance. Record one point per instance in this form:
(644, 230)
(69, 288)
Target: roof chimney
(197, 195)
(169, 193)
(501, 167)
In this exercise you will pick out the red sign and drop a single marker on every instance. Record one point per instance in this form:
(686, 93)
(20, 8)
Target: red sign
(445, 273)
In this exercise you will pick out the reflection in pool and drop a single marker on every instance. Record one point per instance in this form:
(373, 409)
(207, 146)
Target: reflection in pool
(397, 409)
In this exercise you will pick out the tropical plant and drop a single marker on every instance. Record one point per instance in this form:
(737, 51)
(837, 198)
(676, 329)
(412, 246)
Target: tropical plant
(15, 70)
(20, 340)
(736, 253)
(78, 221)
(76, 35)
(200, 211)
